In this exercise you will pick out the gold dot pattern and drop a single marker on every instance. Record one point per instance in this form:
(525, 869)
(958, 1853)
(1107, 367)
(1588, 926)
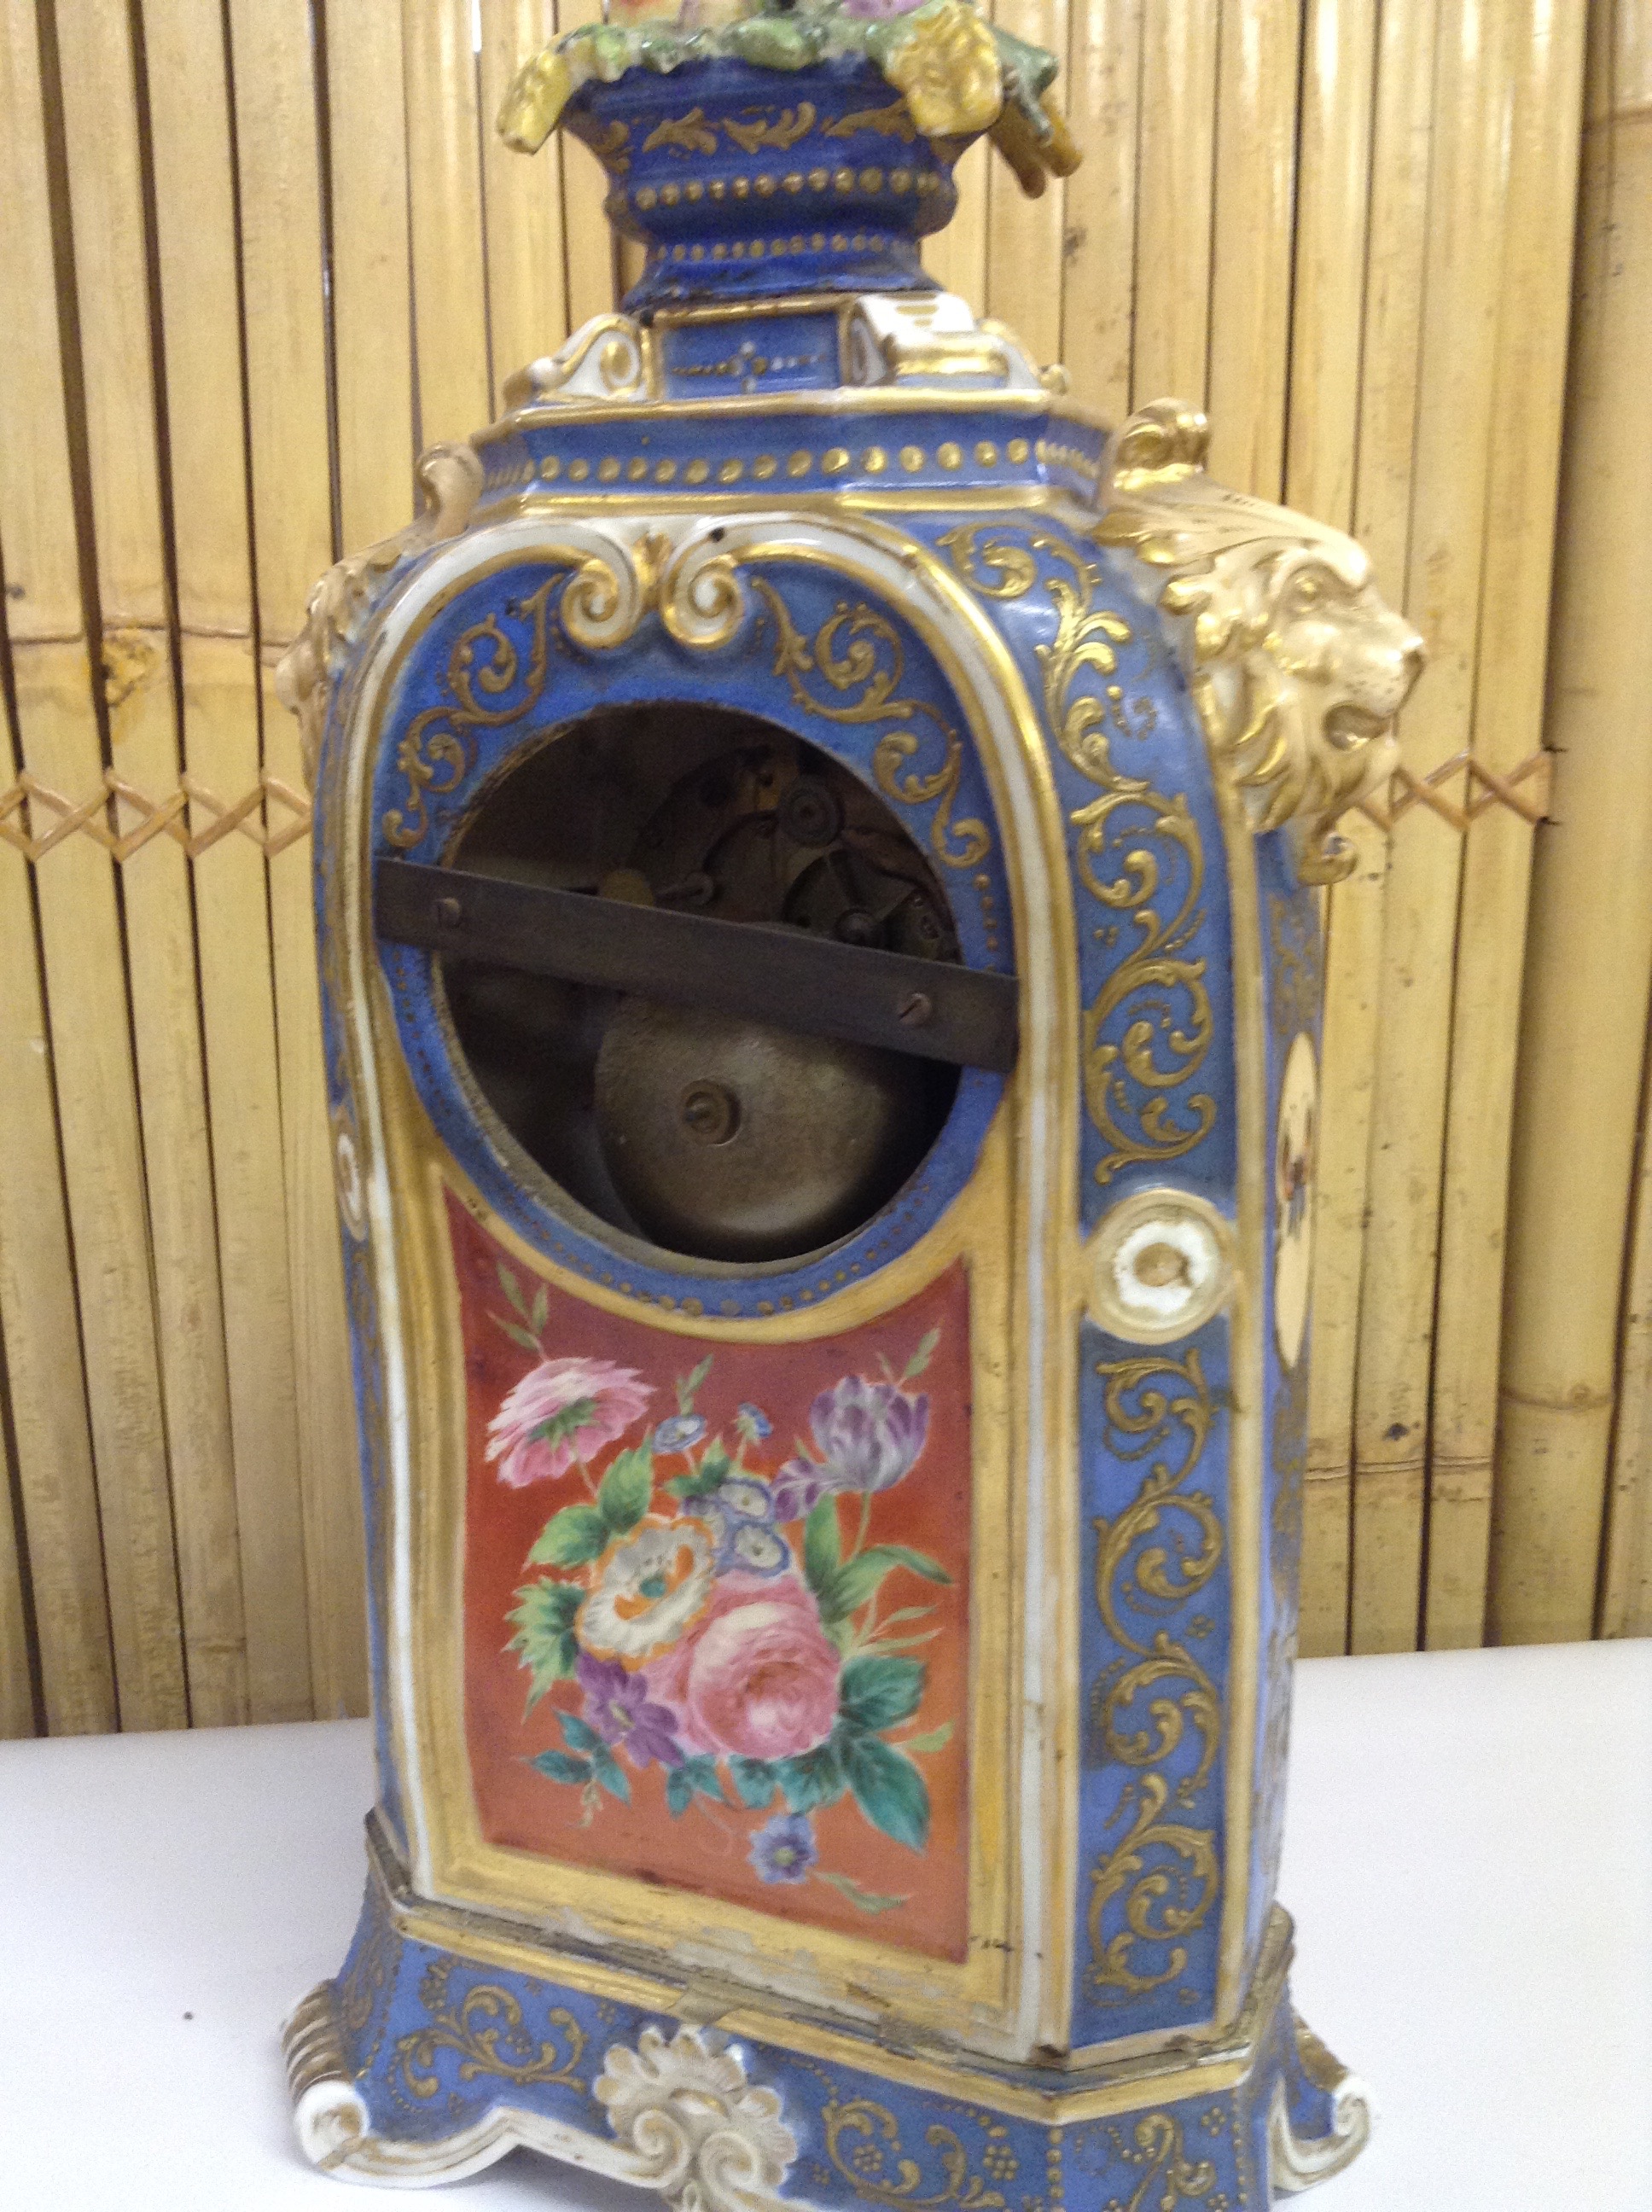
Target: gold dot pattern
(833, 461)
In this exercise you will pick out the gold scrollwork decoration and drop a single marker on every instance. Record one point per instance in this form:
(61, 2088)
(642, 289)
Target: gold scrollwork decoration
(432, 756)
(488, 2028)
(608, 146)
(1147, 1414)
(894, 121)
(1129, 1077)
(1171, 2177)
(781, 131)
(856, 651)
(366, 1981)
(862, 2141)
(1133, 1080)
(598, 596)
(683, 134)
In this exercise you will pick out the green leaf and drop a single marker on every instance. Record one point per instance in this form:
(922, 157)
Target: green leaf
(688, 1385)
(544, 1633)
(516, 1335)
(612, 1775)
(571, 1538)
(694, 1778)
(579, 1734)
(874, 1693)
(541, 1308)
(888, 1789)
(854, 1582)
(813, 1779)
(937, 1739)
(755, 1779)
(627, 1489)
(702, 1480)
(922, 1358)
(513, 1290)
(822, 1543)
(563, 1766)
(867, 1900)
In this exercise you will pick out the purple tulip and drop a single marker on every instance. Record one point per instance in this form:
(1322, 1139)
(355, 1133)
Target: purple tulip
(868, 1435)
(618, 1706)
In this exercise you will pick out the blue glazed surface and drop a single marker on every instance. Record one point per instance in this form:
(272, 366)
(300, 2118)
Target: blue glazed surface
(1156, 1608)
(1156, 970)
(743, 674)
(1293, 955)
(744, 182)
(433, 2043)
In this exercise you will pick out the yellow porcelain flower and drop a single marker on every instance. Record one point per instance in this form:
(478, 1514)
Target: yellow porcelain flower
(532, 108)
(947, 65)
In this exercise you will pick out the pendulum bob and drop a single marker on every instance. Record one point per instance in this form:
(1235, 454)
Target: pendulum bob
(816, 845)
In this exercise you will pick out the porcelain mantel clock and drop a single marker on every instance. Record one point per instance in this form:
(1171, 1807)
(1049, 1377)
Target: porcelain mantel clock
(821, 978)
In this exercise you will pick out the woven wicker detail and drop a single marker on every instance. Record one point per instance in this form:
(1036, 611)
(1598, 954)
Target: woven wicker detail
(21, 809)
(1405, 790)
(101, 818)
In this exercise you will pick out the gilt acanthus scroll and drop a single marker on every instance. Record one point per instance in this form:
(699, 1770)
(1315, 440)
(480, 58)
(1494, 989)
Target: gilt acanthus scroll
(1297, 665)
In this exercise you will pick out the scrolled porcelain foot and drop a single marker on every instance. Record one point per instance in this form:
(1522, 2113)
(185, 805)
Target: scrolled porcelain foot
(1320, 2118)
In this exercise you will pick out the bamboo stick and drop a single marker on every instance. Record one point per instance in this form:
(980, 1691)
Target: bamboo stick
(1397, 231)
(279, 236)
(1025, 238)
(1099, 279)
(80, 938)
(48, 1387)
(1453, 428)
(589, 241)
(106, 190)
(1626, 1579)
(372, 306)
(1583, 1019)
(444, 174)
(1332, 212)
(1175, 185)
(51, 1426)
(193, 187)
(527, 270)
(16, 1695)
(1541, 62)
(1250, 277)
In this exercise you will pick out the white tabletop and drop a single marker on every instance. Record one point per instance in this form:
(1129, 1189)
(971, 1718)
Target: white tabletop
(1469, 1856)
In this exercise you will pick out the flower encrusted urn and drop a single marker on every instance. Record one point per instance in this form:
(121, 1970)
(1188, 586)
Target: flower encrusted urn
(815, 850)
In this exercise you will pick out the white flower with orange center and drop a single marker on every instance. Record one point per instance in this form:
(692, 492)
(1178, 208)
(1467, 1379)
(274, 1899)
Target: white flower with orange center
(650, 1588)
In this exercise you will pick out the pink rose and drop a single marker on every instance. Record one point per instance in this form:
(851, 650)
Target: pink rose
(562, 1410)
(759, 1677)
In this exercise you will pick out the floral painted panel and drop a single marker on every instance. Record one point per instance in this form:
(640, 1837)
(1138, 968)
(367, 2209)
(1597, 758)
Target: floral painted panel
(717, 1601)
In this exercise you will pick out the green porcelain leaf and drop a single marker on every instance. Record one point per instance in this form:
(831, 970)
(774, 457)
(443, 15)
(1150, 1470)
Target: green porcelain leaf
(571, 1538)
(888, 1789)
(563, 1766)
(626, 1489)
(874, 1693)
(812, 1779)
(821, 1545)
(755, 1779)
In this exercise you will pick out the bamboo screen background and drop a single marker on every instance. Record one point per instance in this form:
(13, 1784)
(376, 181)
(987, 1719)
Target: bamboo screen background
(255, 254)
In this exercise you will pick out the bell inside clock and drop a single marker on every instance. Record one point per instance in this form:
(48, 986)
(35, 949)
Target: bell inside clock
(711, 1135)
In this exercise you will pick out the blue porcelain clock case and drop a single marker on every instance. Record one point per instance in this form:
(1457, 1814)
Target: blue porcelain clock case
(817, 849)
